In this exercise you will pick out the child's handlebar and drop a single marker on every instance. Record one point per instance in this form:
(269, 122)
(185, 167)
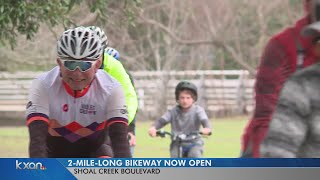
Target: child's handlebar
(162, 133)
(201, 133)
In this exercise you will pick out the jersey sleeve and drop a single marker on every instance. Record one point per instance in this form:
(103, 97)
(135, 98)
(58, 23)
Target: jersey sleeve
(116, 107)
(117, 71)
(38, 103)
(272, 72)
(203, 117)
(164, 120)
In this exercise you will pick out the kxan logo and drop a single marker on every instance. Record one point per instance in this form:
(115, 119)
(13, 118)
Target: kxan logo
(30, 165)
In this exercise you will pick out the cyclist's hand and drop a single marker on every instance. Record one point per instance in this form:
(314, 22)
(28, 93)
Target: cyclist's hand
(152, 132)
(104, 157)
(132, 141)
(206, 131)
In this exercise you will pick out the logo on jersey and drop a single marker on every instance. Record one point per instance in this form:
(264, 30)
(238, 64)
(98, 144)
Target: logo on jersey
(88, 109)
(123, 111)
(65, 107)
(29, 104)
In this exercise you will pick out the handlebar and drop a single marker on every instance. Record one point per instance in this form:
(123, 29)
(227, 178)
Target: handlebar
(201, 133)
(163, 133)
(183, 137)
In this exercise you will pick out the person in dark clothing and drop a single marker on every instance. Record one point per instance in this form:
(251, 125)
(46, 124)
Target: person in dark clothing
(285, 53)
(295, 125)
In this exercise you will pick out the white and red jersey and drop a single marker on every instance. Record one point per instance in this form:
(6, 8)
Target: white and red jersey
(76, 119)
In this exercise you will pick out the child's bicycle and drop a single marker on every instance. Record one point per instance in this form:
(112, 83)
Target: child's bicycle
(181, 139)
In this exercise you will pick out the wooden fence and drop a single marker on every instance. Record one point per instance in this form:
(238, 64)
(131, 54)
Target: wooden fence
(220, 92)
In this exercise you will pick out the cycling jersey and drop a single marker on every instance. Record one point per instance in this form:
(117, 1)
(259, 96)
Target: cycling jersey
(116, 70)
(76, 119)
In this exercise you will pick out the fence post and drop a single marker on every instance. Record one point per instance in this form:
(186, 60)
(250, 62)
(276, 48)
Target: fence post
(140, 93)
(241, 93)
(201, 92)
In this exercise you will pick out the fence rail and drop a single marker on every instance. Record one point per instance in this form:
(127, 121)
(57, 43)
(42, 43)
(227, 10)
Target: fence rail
(220, 92)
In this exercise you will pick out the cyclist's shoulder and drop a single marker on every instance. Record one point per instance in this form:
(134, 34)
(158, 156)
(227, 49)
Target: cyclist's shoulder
(287, 37)
(197, 106)
(106, 80)
(110, 59)
(49, 77)
(117, 65)
(113, 66)
(174, 108)
(198, 109)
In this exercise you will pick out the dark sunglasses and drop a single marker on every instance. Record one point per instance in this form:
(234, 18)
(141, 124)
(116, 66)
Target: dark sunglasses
(72, 65)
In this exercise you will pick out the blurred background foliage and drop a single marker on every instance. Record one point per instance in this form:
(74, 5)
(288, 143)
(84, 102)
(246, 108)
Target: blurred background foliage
(150, 35)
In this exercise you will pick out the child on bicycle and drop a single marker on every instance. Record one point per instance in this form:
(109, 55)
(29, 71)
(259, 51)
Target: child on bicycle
(185, 118)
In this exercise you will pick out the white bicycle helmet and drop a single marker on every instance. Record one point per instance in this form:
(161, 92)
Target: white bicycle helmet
(112, 52)
(79, 43)
(101, 34)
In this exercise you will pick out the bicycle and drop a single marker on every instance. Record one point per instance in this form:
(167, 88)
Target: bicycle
(184, 141)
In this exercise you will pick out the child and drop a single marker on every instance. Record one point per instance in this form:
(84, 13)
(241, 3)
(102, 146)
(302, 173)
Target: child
(185, 118)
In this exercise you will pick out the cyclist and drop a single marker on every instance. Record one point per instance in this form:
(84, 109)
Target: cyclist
(132, 125)
(185, 118)
(114, 67)
(117, 71)
(71, 106)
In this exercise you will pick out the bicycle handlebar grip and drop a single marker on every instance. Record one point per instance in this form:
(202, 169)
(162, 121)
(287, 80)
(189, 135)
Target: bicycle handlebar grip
(206, 134)
(160, 133)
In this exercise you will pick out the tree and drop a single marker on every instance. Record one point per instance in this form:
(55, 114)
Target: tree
(233, 32)
(169, 34)
(25, 16)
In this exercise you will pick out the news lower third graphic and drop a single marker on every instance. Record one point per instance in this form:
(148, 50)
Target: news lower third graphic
(139, 163)
(65, 168)
(116, 171)
(30, 165)
(132, 166)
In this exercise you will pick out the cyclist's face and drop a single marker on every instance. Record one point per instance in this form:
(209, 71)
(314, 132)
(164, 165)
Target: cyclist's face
(185, 99)
(77, 79)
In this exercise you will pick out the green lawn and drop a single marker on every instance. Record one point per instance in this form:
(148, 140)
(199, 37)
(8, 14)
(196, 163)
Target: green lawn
(224, 142)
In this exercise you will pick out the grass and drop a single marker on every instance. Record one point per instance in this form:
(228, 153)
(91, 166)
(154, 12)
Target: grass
(14, 142)
(224, 142)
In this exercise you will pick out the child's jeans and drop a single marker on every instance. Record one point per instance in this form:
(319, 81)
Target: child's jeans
(190, 150)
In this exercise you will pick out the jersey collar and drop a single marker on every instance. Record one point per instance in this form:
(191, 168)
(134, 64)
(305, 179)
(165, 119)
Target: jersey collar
(75, 93)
